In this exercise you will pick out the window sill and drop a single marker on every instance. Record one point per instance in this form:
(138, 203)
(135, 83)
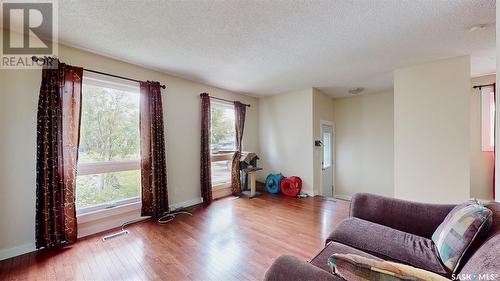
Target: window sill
(221, 186)
(104, 213)
(221, 156)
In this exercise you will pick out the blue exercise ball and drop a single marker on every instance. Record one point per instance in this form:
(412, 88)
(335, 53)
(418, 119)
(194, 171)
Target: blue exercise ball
(273, 183)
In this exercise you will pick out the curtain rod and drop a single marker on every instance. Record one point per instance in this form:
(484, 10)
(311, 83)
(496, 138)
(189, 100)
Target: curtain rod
(35, 59)
(215, 98)
(481, 86)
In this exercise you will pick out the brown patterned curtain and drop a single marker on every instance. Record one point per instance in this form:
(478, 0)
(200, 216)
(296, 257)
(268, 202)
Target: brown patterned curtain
(205, 168)
(153, 161)
(58, 136)
(239, 117)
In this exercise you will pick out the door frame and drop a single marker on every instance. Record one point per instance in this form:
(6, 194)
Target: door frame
(334, 156)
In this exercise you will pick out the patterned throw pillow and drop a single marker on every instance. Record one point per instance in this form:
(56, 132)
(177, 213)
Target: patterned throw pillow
(358, 268)
(458, 230)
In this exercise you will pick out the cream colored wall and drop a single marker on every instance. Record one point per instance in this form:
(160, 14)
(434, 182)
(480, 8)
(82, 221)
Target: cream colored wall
(481, 162)
(364, 127)
(322, 111)
(18, 103)
(364, 135)
(18, 107)
(497, 105)
(431, 131)
(285, 134)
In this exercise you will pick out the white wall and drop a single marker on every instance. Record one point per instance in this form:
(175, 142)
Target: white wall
(364, 135)
(289, 124)
(481, 162)
(431, 131)
(322, 111)
(18, 106)
(18, 103)
(286, 136)
(365, 144)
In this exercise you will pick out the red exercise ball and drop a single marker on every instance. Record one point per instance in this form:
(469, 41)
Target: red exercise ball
(291, 186)
(297, 183)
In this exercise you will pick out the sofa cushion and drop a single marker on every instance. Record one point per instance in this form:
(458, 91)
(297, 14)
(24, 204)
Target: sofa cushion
(389, 244)
(356, 268)
(321, 259)
(484, 257)
(485, 261)
(456, 233)
(289, 268)
(413, 217)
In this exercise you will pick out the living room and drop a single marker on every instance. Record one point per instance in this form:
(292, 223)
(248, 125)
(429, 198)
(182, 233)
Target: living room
(228, 140)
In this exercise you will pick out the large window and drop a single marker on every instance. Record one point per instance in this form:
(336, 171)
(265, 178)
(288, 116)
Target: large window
(109, 153)
(223, 142)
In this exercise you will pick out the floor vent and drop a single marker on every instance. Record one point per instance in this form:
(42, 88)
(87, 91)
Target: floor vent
(114, 235)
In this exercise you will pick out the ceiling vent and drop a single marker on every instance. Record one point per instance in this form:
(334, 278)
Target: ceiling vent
(356, 91)
(478, 27)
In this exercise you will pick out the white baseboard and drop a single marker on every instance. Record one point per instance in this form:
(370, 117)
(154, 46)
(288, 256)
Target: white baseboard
(309, 192)
(343, 197)
(107, 224)
(185, 204)
(17, 251)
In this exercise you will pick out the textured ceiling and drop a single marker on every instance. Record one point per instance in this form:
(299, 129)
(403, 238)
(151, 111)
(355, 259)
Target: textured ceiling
(269, 47)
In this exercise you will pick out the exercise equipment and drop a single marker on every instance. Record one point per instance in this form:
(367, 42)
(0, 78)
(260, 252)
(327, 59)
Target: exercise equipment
(291, 186)
(273, 183)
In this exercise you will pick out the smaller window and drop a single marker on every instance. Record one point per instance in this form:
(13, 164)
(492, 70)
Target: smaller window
(487, 119)
(223, 131)
(327, 150)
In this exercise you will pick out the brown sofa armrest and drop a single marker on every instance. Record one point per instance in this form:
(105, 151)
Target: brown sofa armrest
(416, 218)
(289, 268)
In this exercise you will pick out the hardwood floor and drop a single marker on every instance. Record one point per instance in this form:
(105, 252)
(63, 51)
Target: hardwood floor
(232, 239)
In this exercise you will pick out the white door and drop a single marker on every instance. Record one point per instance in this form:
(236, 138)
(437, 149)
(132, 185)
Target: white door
(327, 166)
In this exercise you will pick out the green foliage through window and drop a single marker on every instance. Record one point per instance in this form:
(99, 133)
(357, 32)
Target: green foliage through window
(109, 133)
(109, 125)
(223, 136)
(108, 187)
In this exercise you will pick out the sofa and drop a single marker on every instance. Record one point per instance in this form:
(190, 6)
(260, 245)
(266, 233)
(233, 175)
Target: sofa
(396, 230)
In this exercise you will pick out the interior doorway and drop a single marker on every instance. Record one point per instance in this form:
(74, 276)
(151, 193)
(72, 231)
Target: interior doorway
(327, 159)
